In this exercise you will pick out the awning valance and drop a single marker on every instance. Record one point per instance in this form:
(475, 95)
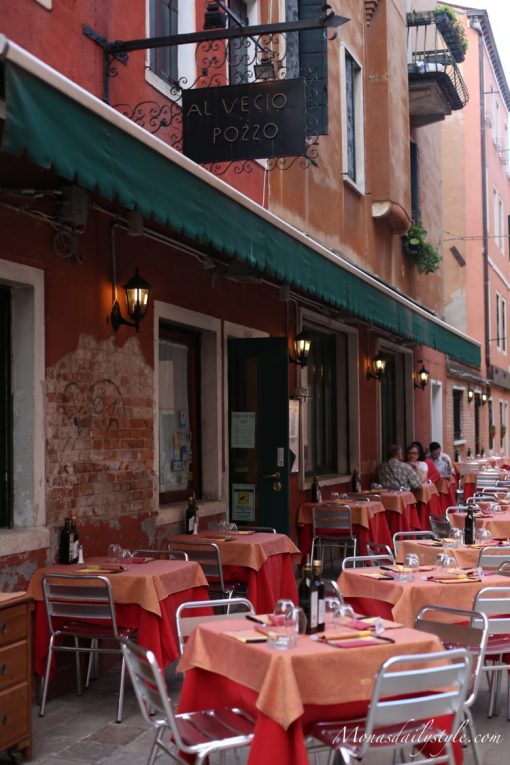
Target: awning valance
(62, 127)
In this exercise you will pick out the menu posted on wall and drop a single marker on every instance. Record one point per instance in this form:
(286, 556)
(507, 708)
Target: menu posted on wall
(243, 502)
(242, 430)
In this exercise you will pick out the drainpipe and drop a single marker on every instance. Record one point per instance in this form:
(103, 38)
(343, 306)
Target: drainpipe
(475, 24)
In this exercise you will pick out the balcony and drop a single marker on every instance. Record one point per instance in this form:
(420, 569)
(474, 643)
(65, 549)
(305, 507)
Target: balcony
(436, 87)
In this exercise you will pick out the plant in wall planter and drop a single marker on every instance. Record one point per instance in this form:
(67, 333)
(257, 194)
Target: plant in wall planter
(415, 245)
(502, 431)
(452, 31)
(492, 431)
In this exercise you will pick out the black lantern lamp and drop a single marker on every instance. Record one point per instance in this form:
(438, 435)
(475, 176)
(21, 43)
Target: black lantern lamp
(214, 18)
(470, 395)
(377, 368)
(137, 300)
(422, 377)
(302, 343)
(484, 397)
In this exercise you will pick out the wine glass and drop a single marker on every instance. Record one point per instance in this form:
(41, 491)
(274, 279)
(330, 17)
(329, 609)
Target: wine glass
(331, 606)
(114, 554)
(127, 556)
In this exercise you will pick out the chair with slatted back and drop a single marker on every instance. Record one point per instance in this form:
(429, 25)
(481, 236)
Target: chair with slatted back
(440, 525)
(363, 561)
(492, 558)
(377, 548)
(414, 694)
(494, 603)
(192, 735)
(163, 554)
(80, 607)
(470, 630)
(332, 530)
(186, 617)
(208, 556)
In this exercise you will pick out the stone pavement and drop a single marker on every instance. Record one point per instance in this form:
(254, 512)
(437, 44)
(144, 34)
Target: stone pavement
(82, 730)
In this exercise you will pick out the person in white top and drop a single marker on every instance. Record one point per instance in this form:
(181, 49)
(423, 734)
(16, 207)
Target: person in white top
(440, 459)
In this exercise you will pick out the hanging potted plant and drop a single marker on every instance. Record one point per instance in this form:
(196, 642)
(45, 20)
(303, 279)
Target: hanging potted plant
(415, 245)
(492, 431)
(452, 31)
(502, 431)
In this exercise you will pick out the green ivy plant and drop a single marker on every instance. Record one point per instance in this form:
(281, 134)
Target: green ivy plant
(457, 27)
(415, 245)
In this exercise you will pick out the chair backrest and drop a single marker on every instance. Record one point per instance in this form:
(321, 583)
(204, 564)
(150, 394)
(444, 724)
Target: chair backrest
(186, 621)
(493, 557)
(494, 602)
(80, 597)
(504, 568)
(361, 561)
(163, 554)
(401, 536)
(207, 554)
(377, 548)
(332, 518)
(430, 691)
(470, 630)
(440, 525)
(150, 689)
(332, 590)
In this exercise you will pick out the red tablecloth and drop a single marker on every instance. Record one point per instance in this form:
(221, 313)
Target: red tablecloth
(275, 579)
(378, 531)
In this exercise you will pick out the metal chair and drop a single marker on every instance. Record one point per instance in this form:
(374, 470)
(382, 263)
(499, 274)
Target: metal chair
(471, 633)
(411, 536)
(195, 734)
(361, 561)
(430, 692)
(208, 556)
(440, 525)
(332, 529)
(80, 607)
(494, 602)
(331, 589)
(162, 554)
(186, 624)
(377, 548)
(493, 557)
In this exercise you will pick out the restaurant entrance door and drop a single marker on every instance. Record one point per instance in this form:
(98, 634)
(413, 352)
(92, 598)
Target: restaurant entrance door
(258, 432)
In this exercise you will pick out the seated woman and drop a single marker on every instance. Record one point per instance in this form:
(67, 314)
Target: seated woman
(433, 473)
(419, 466)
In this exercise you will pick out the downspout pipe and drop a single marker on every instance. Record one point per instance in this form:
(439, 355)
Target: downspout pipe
(475, 24)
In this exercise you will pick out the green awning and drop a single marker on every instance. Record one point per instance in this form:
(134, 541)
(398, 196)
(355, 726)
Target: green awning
(66, 129)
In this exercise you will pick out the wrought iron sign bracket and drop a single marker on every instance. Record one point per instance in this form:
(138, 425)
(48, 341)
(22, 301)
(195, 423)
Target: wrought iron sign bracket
(118, 49)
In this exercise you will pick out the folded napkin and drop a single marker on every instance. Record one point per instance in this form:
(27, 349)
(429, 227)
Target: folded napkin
(347, 635)
(377, 575)
(97, 569)
(356, 643)
(218, 537)
(248, 636)
(386, 623)
(431, 543)
(138, 559)
(455, 579)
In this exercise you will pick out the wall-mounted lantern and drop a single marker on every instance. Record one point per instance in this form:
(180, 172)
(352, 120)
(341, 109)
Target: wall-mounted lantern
(421, 376)
(137, 301)
(377, 367)
(302, 344)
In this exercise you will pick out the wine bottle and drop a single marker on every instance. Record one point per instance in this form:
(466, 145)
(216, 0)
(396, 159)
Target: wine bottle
(355, 482)
(469, 525)
(65, 542)
(307, 593)
(189, 519)
(74, 547)
(315, 490)
(321, 590)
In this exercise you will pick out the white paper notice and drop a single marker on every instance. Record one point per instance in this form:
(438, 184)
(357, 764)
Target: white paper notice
(242, 430)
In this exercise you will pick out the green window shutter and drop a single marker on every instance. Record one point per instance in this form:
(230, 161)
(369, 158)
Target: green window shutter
(313, 65)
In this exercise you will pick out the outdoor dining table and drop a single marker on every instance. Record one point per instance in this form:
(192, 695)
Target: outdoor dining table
(369, 523)
(264, 562)
(286, 691)
(427, 551)
(375, 591)
(401, 510)
(427, 502)
(497, 523)
(446, 487)
(146, 597)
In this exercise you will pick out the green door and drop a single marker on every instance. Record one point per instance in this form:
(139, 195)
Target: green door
(258, 432)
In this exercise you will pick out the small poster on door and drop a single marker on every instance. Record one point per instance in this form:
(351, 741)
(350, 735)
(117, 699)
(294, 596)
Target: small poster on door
(243, 502)
(242, 430)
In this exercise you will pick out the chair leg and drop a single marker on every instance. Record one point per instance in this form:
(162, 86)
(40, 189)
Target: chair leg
(471, 731)
(78, 666)
(46, 678)
(92, 664)
(121, 690)
(155, 746)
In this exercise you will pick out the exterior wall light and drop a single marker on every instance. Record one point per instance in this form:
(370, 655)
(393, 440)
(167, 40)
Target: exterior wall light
(421, 377)
(137, 301)
(302, 344)
(377, 368)
(484, 398)
(470, 395)
(214, 18)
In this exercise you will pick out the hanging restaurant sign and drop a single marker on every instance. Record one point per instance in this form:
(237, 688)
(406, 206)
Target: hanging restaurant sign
(249, 121)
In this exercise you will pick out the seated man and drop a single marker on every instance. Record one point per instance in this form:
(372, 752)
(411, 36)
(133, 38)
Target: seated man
(440, 459)
(395, 474)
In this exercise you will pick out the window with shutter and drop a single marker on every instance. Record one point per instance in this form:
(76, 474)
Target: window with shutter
(313, 65)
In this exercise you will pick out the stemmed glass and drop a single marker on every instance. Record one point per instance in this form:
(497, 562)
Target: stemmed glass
(114, 554)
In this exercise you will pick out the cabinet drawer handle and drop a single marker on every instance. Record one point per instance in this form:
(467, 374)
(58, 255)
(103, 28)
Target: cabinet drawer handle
(3, 628)
(4, 718)
(3, 669)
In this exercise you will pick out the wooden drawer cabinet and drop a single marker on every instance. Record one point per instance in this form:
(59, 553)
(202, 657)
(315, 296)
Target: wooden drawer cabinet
(15, 673)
